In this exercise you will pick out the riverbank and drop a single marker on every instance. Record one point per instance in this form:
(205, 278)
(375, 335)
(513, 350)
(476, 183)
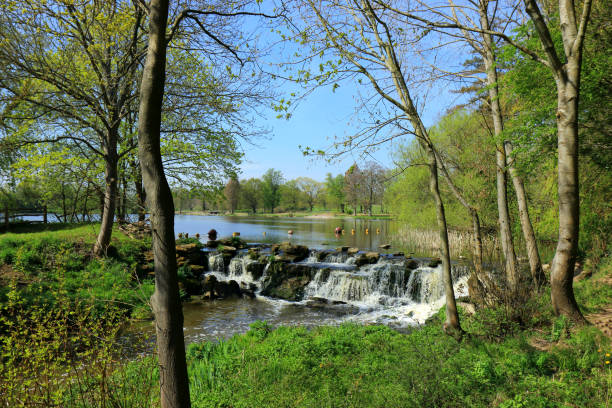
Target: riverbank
(44, 263)
(50, 286)
(546, 362)
(296, 214)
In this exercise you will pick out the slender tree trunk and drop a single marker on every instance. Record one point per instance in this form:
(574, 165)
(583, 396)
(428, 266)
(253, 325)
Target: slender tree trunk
(451, 326)
(562, 270)
(477, 239)
(110, 199)
(174, 382)
(533, 255)
(500, 156)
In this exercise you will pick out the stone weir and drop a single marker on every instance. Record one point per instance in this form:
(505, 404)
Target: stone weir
(314, 277)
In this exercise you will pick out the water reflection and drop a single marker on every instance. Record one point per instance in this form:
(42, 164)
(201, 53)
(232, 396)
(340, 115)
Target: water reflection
(313, 232)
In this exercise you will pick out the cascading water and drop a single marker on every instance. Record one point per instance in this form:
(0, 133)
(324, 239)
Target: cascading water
(392, 291)
(216, 263)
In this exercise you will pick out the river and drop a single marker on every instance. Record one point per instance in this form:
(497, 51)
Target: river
(382, 293)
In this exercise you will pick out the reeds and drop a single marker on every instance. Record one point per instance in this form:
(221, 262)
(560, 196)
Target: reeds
(427, 242)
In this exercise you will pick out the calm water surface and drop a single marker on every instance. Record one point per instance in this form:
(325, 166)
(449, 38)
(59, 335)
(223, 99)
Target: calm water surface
(312, 232)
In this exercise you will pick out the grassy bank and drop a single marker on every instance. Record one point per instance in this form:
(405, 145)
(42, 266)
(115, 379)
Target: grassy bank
(297, 214)
(55, 351)
(546, 362)
(45, 262)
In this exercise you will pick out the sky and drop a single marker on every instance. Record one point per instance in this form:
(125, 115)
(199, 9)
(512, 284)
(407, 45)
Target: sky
(323, 114)
(317, 118)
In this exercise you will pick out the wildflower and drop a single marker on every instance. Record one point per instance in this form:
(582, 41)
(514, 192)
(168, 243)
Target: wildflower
(607, 361)
(607, 354)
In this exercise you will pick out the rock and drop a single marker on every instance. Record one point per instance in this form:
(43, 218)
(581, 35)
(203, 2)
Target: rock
(411, 264)
(398, 254)
(255, 269)
(254, 253)
(228, 250)
(352, 251)
(248, 293)
(385, 246)
(434, 262)
(225, 289)
(212, 243)
(295, 252)
(193, 286)
(209, 282)
(367, 258)
(342, 249)
(321, 255)
(286, 280)
(290, 289)
(197, 270)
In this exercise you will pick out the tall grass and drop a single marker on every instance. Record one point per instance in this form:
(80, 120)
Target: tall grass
(427, 242)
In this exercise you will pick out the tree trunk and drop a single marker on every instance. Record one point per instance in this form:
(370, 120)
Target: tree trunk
(110, 199)
(500, 156)
(451, 326)
(140, 196)
(535, 264)
(562, 270)
(477, 239)
(166, 303)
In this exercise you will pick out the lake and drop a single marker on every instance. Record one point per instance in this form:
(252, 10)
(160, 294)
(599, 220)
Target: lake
(314, 232)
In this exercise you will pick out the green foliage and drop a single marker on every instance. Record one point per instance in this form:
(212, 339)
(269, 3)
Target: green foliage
(65, 356)
(52, 262)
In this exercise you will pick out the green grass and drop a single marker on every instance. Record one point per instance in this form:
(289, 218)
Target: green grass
(375, 366)
(49, 260)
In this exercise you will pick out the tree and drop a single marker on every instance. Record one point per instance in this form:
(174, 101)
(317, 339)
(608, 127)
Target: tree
(353, 186)
(232, 193)
(363, 38)
(565, 67)
(250, 193)
(373, 178)
(80, 86)
(311, 189)
(271, 182)
(334, 188)
(291, 196)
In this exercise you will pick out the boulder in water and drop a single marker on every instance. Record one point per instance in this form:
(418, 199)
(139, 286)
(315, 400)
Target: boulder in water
(367, 258)
(411, 264)
(255, 269)
(385, 246)
(225, 289)
(352, 251)
(294, 252)
(287, 280)
(434, 262)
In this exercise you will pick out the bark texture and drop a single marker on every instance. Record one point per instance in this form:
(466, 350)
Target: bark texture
(533, 254)
(567, 80)
(505, 232)
(174, 383)
(109, 201)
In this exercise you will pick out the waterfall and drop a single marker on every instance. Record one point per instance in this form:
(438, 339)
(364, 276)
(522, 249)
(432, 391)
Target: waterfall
(384, 283)
(393, 291)
(216, 263)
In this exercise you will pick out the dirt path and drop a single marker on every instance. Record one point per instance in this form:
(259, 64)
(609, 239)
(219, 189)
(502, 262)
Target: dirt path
(603, 319)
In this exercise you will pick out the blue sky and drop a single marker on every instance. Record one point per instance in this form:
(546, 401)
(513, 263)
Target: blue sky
(320, 116)
(324, 114)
